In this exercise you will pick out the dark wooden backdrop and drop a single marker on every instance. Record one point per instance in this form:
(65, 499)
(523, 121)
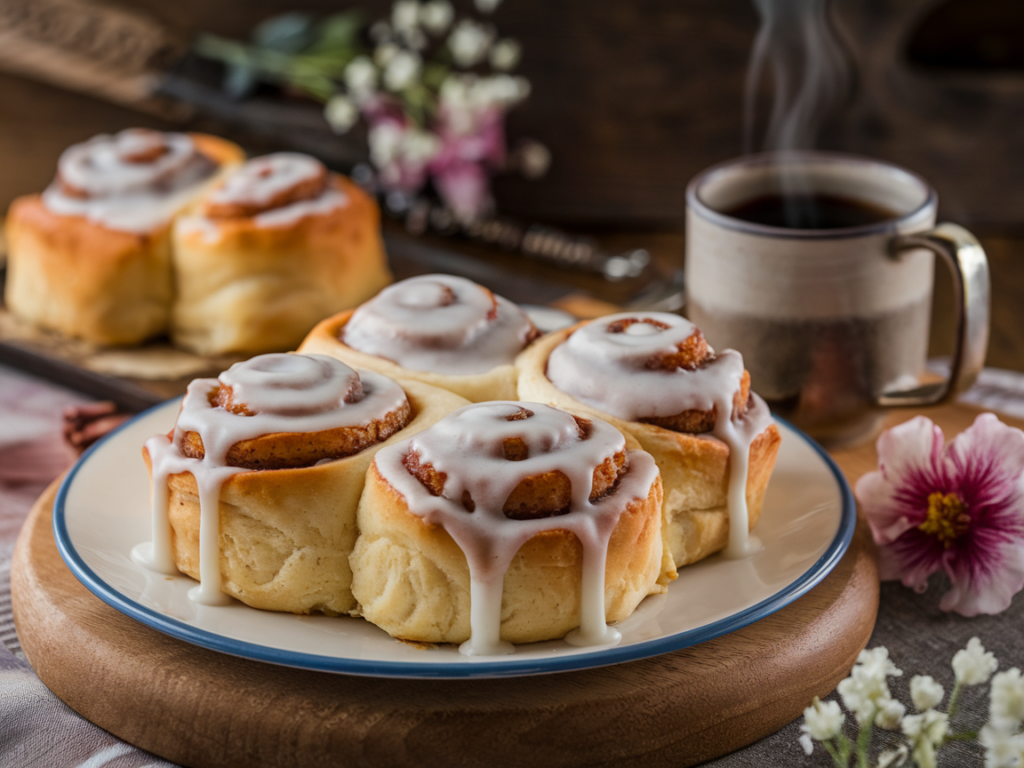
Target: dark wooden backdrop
(634, 98)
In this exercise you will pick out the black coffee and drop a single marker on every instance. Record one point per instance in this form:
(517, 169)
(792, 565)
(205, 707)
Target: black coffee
(809, 211)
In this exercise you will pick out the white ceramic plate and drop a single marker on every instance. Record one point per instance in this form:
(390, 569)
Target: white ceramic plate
(102, 511)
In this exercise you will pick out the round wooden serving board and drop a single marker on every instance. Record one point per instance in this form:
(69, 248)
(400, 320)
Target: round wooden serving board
(202, 708)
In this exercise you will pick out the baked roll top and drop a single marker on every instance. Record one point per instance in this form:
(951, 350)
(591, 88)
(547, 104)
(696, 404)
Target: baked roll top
(90, 257)
(508, 522)
(655, 375)
(441, 329)
(255, 491)
(278, 246)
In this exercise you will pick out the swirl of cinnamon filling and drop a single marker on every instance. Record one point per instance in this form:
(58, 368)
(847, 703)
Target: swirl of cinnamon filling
(281, 411)
(271, 183)
(133, 181)
(650, 367)
(133, 160)
(494, 475)
(440, 323)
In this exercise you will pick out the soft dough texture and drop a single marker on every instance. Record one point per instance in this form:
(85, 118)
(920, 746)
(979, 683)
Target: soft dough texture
(412, 578)
(286, 534)
(250, 288)
(78, 277)
(499, 383)
(694, 468)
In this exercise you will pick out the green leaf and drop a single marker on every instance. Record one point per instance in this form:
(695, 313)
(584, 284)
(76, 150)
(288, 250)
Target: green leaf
(339, 32)
(288, 33)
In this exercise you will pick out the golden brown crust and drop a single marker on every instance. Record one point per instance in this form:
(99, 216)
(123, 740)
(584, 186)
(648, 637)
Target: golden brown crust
(289, 450)
(75, 276)
(307, 189)
(696, 422)
(545, 495)
(325, 339)
(254, 289)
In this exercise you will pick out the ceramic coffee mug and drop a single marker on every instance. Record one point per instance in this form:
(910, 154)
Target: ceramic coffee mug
(818, 267)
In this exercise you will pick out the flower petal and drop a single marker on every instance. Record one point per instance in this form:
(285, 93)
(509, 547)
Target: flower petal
(972, 594)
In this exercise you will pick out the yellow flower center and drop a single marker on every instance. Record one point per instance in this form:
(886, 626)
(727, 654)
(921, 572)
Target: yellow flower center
(947, 518)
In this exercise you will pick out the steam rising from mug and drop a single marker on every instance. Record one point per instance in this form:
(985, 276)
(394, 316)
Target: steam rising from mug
(810, 72)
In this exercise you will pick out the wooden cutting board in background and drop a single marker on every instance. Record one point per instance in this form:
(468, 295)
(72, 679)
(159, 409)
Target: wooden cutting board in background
(206, 709)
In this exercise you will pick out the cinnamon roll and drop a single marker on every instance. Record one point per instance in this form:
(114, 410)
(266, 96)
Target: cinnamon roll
(255, 490)
(439, 329)
(277, 247)
(508, 522)
(654, 376)
(90, 257)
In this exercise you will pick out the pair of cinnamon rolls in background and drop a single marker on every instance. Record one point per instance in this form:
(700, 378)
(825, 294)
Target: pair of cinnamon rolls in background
(144, 233)
(501, 521)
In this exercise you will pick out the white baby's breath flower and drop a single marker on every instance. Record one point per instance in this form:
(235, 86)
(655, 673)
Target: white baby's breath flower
(505, 54)
(402, 71)
(385, 141)
(420, 146)
(823, 720)
(487, 6)
(1006, 699)
(974, 665)
(893, 758)
(534, 159)
(341, 114)
(930, 725)
(361, 75)
(865, 690)
(405, 16)
(385, 52)
(806, 743)
(890, 714)
(1003, 747)
(927, 731)
(469, 42)
(925, 692)
(436, 15)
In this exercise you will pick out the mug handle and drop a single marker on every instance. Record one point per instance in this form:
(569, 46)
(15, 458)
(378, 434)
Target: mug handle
(966, 260)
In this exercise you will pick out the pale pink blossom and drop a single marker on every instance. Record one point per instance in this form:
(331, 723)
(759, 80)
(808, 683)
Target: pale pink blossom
(956, 507)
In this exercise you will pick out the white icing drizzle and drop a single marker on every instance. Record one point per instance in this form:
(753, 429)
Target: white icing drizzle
(126, 195)
(439, 323)
(467, 447)
(608, 371)
(285, 393)
(262, 179)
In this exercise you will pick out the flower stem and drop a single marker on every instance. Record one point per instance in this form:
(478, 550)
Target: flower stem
(954, 700)
(838, 761)
(863, 741)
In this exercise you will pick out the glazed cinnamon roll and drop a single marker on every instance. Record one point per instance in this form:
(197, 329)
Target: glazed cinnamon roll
(508, 522)
(255, 490)
(90, 257)
(440, 329)
(277, 247)
(654, 376)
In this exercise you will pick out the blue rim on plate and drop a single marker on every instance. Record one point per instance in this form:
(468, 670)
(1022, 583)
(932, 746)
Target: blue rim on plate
(508, 666)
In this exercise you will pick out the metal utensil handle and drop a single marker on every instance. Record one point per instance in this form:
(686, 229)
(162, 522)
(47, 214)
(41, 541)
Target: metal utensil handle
(966, 260)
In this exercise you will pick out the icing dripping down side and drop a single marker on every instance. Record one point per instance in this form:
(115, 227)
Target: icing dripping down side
(467, 447)
(285, 393)
(607, 365)
(440, 323)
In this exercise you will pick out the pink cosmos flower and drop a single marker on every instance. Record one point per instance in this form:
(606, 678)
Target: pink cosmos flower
(957, 507)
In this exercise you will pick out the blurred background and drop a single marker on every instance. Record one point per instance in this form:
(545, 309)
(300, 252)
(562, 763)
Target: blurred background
(632, 99)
